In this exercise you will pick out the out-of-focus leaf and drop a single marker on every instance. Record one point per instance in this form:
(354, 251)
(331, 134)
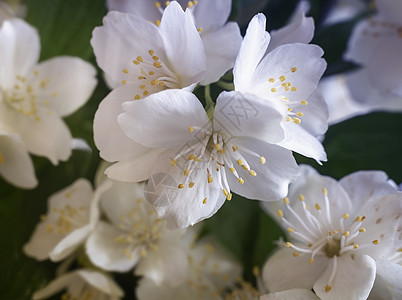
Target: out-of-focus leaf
(65, 26)
(278, 12)
(370, 142)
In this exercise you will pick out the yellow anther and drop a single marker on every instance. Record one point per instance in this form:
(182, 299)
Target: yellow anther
(291, 229)
(232, 169)
(301, 197)
(191, 184)
(355, 246)
(296, 120)
(282, 78)
(141, 78)
(300, 114)
(345, 216)
(325, 191)
(289, 109)
(125, 71)
(191, 156)
(346, 233)
(252, 173)
(328, 288)
(271, 80)
(161, 83)
(191, 129)
(294, 89)
(200, 29)
(195, 2)
(142, 86)
(137, 97)
(145, 93)
(139, 58)
(204, 201)
(295, 254)
(197, 159)
(155, 58)
(189, 4)
(173, 162)
(289, 245)
(155, 82)
(263, 160)
(234, 148)
(157, 64)
(286, 200)
(36, 72)
(286, 85)
(123, 82)
(376, 242)
(151, 73)
(294, 69)
(303, 102)
(240, 162)
(311, 260)
(280, 213)
(151, 52)
(210, 179)
(158, 22)
(225, 192)
(317, 206)
(241, 180)
(167, 3)
(362, 229)
(273, 90)
(186, 172)
(288, 119)
(180, 186)
(217, 146)
(358, 219)
(229, 197)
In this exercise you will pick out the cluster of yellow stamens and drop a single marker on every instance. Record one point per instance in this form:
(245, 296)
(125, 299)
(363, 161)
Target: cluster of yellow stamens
(382, 28)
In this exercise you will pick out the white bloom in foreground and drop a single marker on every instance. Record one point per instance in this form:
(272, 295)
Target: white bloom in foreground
(136, 237)
(34, 96)
(246, 147)
(293, 294)
(221, 39)
(146, 59)
(210, 271)
(15, 164)
(378, 82)
(72, 215)
(82, 284)
(341, 234)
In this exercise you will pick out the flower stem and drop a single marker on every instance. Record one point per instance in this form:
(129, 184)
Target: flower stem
(226, 85)
(210, 105)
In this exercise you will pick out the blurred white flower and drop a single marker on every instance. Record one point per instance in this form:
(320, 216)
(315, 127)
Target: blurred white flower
(221, 39)
(72, 214)
(82, 284)
(136, 237)
(293, 294)
(210, 271)
(11, 9)
(341, 233)
(35, 96)
(378, 82)
(146, 59)
(15, 164)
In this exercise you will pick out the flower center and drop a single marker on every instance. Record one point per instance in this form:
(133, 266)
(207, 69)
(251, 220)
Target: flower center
(67, 219)
(333, 247)
(141, 229)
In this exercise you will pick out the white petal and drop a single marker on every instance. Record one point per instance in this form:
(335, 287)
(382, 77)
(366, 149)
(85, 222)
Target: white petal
(221, 49)
(391, 275)
(105, 252)
(109, 138)
(391, 10)
(300, 30)
(385, 67)
(55, 286)
(44, 134)
(136, 169)
(280, 61)
(163, 119)
(239, 114)
(301, 141)
(121, 39)
(283, 271)
(16, 166)
(363, 186)
(101, 282)
(69, 244)
(19, 50)
(273, 177)
(182, 207)
(252, 49)
(184, 48)
(147, 289)
(293, 294)
(212, 14)
(72, 82)
(354, 278)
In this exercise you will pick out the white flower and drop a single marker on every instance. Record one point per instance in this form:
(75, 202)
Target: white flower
(340, 233)
(293, 294)
(146, 59)
(82, 284)
(15, 164)
(210, 271)
(247, 146)
(35, 96)
(136, 237)
(221, 40)
(378, 82)
(72, 215)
